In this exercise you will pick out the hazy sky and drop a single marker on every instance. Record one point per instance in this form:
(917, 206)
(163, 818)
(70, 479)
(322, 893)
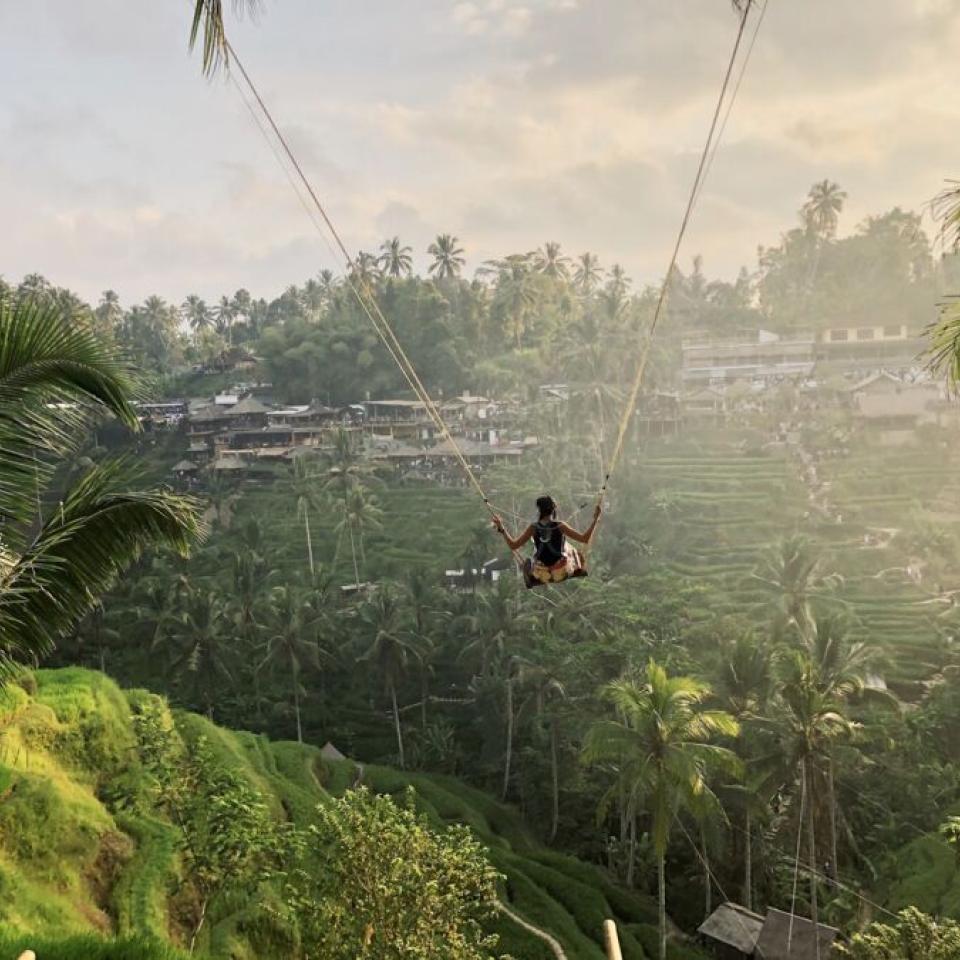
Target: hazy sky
(505, 122)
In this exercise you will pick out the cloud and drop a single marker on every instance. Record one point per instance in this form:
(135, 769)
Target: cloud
(507, 122)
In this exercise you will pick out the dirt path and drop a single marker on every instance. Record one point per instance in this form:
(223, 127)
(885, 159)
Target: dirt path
(551, 941)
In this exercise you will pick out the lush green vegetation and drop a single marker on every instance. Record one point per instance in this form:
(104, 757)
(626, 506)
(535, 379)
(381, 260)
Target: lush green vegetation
(106, 825)
(699, 578)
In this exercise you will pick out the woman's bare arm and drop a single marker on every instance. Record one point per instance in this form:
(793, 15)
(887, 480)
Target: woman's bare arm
(587, 534)
(512, 543)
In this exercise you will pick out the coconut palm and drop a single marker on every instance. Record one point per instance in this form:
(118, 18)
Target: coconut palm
(287, 626)
(743, 685)
(448, 259)
(361, 512)
(550, 261)
(809, 722)
(223, 316)
(200, 641)
(307, 494)
(821, 212)
(196, 313)
(391, 647)
(396, 259)
(793, 572)
(587, 273)
(55, 378)
(365, 271)
(659, 744)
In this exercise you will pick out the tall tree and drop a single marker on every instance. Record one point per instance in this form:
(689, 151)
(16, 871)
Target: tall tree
(389, 649)
(286, 628)
(660, 745)
(587, 273)
(550, 261)
(821, 212)
(448, 259)
(55, 375)
(395, 258)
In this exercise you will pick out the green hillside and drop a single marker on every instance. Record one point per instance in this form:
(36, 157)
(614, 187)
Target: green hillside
(82, 852)
(890, 530)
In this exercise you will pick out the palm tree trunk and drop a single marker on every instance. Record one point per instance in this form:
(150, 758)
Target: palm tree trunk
(554, 781)
(631, 847)
(306, 524)
(812, 842)
(296, 704)
(832, 801)
(707, 887)
(353, 551)
(509, 755)
(748, 861)
(396, 723)
(424, 691)
(662, 903)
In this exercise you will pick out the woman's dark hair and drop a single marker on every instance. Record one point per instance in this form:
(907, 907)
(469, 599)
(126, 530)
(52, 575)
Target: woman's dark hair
(546, 506)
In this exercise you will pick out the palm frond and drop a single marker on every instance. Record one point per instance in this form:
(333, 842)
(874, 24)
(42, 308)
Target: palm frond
(208, 18)
(78, 554)
(54, 375)
(943, 350)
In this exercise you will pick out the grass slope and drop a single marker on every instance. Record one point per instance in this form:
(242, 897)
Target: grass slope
(80, 860)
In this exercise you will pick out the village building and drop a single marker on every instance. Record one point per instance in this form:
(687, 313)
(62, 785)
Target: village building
(405, 419)
(733, 932)
(749, 355)
(659, 414)
(704, 405)
(893, 409)
(853, 350)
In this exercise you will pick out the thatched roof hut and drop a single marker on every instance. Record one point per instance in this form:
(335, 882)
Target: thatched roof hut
(329, 752)
(733, 929)
(779, 940)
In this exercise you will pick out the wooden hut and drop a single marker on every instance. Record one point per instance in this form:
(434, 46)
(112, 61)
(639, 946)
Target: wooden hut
(732, 932)
(786, 938)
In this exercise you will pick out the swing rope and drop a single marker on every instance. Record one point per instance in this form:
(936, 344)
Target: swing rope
(705, 160)
(367, 301)
(361, 290)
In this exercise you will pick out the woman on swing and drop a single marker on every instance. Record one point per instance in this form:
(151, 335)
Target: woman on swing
(554, 560)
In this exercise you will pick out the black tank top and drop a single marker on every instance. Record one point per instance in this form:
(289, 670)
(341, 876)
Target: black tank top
(549, 541)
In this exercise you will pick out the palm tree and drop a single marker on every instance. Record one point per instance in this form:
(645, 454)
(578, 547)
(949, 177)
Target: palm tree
(223, 316)
(196, 313)
(793, 572)
(347, 470)
(551, 262)
(587, 273)
(821, 212)
(395, 259)
(743, 685)
(55, 376)
(304, 485)
(365, 270)
(201, 658)
(810, 721)
(426, 610)
(448, 259)
(360, 512)
(390, 649)
(841, 670)
(660, 746)
(287, 625)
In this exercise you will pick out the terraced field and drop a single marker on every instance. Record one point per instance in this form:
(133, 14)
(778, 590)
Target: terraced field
(888, 521)
(81, 862)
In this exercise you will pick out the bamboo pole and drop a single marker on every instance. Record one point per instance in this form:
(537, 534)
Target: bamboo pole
(612, 940)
